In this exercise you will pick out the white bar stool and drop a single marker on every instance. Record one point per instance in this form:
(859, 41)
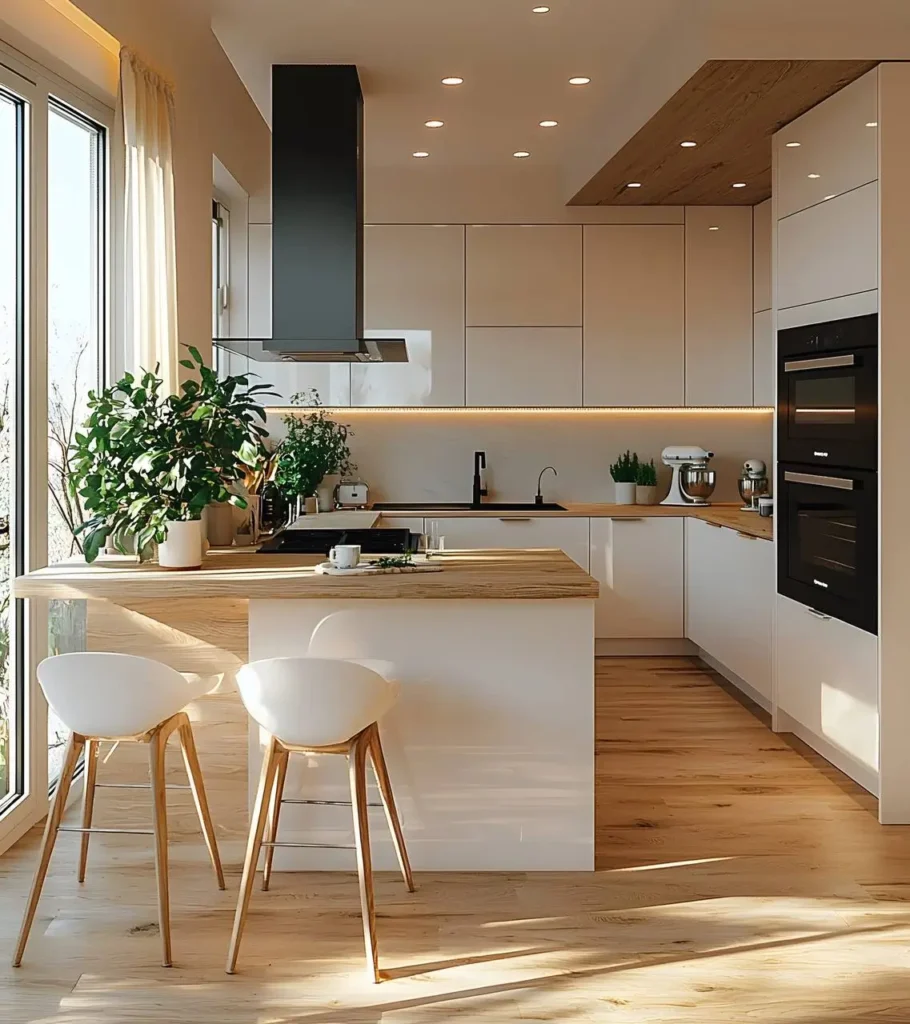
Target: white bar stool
(119, 698)
(318, 706)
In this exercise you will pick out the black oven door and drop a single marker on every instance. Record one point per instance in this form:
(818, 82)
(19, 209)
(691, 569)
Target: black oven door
(828, 411)
(828, 541)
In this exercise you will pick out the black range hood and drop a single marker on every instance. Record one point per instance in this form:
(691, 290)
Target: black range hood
(317, 222)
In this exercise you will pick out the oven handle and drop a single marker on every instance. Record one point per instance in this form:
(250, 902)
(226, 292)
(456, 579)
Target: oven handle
(819, 481)
(821, 363)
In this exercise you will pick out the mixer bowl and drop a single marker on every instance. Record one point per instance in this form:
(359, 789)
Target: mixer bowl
(751, 489)
(697, 483)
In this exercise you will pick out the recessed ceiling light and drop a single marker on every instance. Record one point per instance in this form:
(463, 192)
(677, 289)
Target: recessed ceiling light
(739, 184)
(420, 154)
(793, 145)
(453, 81)
(434, 124)
(521, 154)
(872, 124)
(581, 80)
(633, 184)
(714, 227)
(833, 194)
(540, 10)
(548, 124)
(688, 144)
(814, 175)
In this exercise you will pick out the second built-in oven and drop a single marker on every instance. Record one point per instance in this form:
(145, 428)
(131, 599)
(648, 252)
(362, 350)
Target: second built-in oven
(828, 393)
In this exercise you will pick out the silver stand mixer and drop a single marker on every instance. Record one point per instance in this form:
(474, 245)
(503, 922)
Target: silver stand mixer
(692, 483)
(753, 484)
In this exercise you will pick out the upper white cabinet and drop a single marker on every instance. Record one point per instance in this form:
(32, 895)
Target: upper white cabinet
(567, 534)
(761, 256)
(634, 314)
(414, 288)
(524, 366)
(837, 151)
(524, 275)
(639, 565)
(764, 376)
(829, 250)
(718, 305)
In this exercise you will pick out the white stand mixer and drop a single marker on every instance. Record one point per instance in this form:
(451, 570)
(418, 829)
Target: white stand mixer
(692, 483)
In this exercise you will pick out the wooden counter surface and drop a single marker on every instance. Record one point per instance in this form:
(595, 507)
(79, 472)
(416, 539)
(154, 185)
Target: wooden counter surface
(233, 573)
(727, 514)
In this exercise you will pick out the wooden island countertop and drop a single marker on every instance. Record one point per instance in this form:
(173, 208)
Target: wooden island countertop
(473, 575)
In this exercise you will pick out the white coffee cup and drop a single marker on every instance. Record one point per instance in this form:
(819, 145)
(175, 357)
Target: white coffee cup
(345, 556)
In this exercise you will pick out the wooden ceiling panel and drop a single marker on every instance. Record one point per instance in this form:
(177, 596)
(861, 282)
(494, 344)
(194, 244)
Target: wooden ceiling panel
(730, 108)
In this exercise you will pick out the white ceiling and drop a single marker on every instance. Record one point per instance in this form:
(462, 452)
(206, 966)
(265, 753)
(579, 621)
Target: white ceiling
(516, 66)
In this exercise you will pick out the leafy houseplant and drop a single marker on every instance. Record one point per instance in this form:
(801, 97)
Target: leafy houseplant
(314, 448)
(145, 461)
(625, 475)
(646, 483)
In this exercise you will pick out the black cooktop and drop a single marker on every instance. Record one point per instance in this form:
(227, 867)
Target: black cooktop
(318, 542)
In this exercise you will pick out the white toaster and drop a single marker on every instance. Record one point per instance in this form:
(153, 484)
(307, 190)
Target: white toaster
(352, 494)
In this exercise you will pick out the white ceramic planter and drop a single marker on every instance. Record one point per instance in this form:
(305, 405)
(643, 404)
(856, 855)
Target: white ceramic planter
(183, 547)
(325, 492)
(625, 493)
(645, 494)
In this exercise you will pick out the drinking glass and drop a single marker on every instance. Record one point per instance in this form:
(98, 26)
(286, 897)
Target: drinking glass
(433, 539)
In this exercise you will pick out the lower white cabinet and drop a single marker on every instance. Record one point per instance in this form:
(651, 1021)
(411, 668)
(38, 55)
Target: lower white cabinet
(639, 565)
(730, 600)
(827, 679)
(568, 534)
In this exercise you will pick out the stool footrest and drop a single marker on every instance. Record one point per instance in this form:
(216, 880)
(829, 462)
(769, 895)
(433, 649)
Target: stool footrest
(309, 846)
(324, 803)
(108, 831)
(133, 785)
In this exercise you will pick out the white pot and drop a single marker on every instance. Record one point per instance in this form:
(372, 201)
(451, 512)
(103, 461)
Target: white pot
(625, 493)
(645, 494)
(325, 492)
(183, 547)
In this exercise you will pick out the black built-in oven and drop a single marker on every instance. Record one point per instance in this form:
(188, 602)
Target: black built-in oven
(828, 393)
(827, 534)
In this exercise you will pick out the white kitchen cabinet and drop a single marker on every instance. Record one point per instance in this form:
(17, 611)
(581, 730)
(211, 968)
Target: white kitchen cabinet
(524, 366)
(764, 370)
(718, 305)
(523, 275)
(569, 534)
(730, 588)
(837, 151)
(634, 305)
(761, 256)
(827, 680)
(639, 565)
(414, 288)
(829, 250)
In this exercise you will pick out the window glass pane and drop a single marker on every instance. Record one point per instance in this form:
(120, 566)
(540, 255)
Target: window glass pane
(74, 346)
(11, 312)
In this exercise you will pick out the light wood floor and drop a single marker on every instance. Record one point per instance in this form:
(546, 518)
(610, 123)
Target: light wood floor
(739, 880)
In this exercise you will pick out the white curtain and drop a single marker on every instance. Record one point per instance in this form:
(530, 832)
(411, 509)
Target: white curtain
(150, 259)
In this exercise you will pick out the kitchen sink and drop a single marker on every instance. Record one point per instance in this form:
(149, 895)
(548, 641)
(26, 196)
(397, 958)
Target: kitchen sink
(466, 506)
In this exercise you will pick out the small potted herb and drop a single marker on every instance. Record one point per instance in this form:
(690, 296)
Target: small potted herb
(646, 484)
(625, 476)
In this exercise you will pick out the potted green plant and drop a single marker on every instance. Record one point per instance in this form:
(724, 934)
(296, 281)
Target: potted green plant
(146, 464)
(314, 454)
(625, 475)
(646, 484)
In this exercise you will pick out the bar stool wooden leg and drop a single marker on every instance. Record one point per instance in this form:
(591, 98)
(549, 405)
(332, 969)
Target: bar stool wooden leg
(157, 746)
(388, 802)
(358, 775)
(254, 845)
(281, 774)
(55, 815)
(88, 800)
(194, 773)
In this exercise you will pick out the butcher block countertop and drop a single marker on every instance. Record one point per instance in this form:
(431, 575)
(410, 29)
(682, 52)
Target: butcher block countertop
(241, 573)
(730, 515)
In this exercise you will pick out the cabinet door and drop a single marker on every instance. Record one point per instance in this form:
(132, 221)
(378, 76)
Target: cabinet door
(718, 305)
(829, 250)
(827, 679)
(414, 288)
(639, 565)
(761, 256)
(524, 366)
(569, 534)
(524, 275)
(764, 376)
(634, 338)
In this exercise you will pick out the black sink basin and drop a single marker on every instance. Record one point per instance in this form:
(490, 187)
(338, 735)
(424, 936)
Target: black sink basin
(466, 506)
